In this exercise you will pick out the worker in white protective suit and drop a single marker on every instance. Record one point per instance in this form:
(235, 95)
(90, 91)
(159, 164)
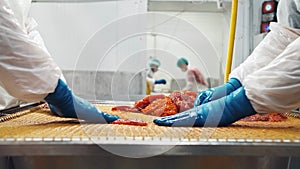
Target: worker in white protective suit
(150, 80)
(28, 72)
(267, 81)
(6, 100)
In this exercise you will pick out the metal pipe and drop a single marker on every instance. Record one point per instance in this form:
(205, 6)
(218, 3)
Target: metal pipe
(234, 9)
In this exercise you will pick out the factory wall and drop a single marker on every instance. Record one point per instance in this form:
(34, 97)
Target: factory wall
(106, 85)
(88, 41)
(69, 28)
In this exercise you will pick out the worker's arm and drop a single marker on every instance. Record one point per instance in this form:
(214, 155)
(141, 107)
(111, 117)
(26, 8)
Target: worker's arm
(29, 73)
(7, 101)
(160, 81)
(64, 103)
(150, 79)
(272, 45)
(190, 80)
(221, 112)
(199, 77)
(217, 92)
(31, 29)
(281, 35)
(276, 87)
(27, 64)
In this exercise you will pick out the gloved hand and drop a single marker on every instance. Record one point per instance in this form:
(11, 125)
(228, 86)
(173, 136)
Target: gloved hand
(161, 81)
(221, 112)
(64, 103)
(218, 92)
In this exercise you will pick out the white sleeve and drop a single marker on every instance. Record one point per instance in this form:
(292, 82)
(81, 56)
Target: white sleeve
(276, 87)
(271, 46)
(26, 70)
(288, 13)
(31, 27)
(7, 101)
(20, 9)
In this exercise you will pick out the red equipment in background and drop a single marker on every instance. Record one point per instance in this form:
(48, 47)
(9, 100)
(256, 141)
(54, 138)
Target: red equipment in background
(269, 9)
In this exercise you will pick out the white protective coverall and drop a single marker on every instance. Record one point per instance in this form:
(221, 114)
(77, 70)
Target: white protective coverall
(271, 74)
(7, 101)
(27, 70)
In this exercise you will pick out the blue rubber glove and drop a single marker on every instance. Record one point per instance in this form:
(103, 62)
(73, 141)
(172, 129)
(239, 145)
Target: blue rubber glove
(64, 103)
(221, 112)
(218, 92)
(161, 81)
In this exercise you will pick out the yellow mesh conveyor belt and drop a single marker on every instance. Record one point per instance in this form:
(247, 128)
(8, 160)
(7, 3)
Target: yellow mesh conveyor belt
(41, 123)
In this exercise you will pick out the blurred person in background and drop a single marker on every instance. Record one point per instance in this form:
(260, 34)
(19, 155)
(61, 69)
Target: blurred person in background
(150, 80)
(195, 80)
